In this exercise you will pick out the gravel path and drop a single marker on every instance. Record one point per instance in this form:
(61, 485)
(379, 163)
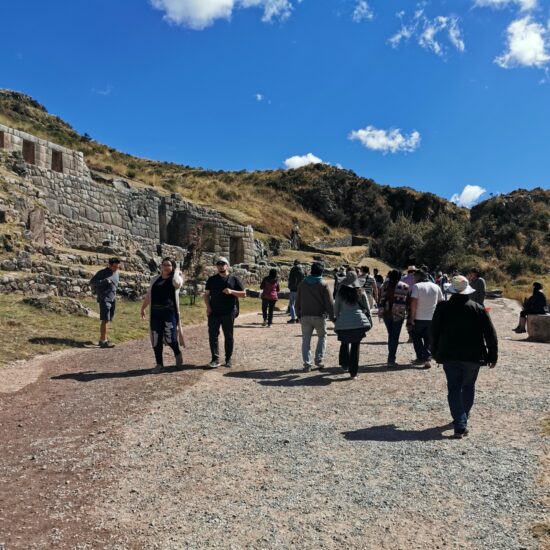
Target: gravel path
(265, 456)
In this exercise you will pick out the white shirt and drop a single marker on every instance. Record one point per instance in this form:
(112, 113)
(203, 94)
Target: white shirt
(428, 295)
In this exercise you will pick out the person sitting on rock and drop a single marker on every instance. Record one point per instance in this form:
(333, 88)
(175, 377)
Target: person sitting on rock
(164, 313)
(105, 284)
(534, 305)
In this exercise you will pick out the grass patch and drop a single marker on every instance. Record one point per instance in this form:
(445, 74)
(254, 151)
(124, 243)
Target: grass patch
(26, 331)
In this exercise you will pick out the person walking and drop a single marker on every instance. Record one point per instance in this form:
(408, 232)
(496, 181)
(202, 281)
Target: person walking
(534, 305)
(221, 297)
(313, 305)
(270, 294)
(425, 296)
(295, 277)
(352, 321)
(105, 284)
(463, 339)
(164, 312)
(393, 309)
(478, 284)
(369, 286)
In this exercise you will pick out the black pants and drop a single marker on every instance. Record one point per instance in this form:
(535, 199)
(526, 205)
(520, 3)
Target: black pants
(267, 310)
(349, 357)
(226, 323)
(164, 323)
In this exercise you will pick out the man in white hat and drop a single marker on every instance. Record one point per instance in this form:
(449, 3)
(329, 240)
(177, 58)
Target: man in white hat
(221, 298)
(463, 339)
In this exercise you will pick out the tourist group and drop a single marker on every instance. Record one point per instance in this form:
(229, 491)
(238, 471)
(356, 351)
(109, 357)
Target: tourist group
(444, 316)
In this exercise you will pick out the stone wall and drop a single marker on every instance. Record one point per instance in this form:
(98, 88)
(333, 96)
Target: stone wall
(46, 154)
(111, 210)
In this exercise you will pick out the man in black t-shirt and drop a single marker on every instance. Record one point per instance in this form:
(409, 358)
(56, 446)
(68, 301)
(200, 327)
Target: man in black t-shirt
(221, 298)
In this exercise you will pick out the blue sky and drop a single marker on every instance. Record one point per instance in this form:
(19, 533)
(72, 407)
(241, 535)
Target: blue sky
(436, 95)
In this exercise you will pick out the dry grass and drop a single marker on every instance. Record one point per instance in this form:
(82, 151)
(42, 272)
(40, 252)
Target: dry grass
(522, 287)
(26, 331)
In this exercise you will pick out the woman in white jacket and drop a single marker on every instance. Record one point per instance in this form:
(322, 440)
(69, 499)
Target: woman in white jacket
(164, 316)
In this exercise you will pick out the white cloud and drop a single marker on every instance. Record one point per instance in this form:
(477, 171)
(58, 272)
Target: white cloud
(387, 141)
(426, 32)
(528, 45)
(362, 11)
(524, 5)
(259, 97)
(199, 14)
(298, 161)
(103, 91)
(469, 196)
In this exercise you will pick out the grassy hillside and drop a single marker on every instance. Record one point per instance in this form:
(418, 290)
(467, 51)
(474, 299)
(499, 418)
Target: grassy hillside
(507, 235)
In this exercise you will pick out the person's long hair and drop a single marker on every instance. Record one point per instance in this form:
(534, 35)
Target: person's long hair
(349, 295)
(272, 275)
(394, 277)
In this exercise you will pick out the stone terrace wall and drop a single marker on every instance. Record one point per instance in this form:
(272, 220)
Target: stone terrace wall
(79, 199)
(98, 211)
(46, 154)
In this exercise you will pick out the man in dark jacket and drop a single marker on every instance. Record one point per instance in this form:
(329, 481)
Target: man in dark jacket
(464, 338)
(295, 277)
(105, 283)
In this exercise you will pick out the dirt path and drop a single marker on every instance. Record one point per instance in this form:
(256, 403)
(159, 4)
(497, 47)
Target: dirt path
(96, 452)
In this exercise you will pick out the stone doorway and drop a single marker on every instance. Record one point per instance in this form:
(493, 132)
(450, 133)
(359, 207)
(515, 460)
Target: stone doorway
(2, 141)
(236, 250)
(28, 152)
(57, 161)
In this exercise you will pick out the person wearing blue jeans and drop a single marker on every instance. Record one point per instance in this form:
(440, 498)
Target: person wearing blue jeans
(394, 331)
(295, 277)
(425, 296)
(463, 339)
(421, 340)
(461, 380)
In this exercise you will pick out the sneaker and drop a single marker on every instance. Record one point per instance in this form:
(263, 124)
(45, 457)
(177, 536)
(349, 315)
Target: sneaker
(270, 325)
(228, 364)
(320, 365)
(264, 324)
(459, 434)
(105, 344)
(427, 364)
(307, 368)
(418, 362)
(392, 364)
(179, 360)
(345, 369)
(290, 321)
(157, 369)
(353, 378)
(214, 364)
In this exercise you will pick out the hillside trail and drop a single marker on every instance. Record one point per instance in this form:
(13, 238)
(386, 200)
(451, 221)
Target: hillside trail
(99, 453)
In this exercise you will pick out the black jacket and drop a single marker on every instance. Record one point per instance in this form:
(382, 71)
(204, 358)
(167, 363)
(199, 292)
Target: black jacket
(463, 331)
(295, 277)
(535, 304)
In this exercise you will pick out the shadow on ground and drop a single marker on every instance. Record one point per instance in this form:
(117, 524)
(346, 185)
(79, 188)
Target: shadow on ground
(390, 432)
(91, 375)
(53, 341)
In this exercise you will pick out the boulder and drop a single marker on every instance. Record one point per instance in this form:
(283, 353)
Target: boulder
(538, 327)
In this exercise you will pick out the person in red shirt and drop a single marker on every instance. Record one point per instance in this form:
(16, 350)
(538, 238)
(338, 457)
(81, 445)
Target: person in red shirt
(270, 294)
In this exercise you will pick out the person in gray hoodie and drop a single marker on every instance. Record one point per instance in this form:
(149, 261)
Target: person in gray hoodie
(353, 320)
(313, 305)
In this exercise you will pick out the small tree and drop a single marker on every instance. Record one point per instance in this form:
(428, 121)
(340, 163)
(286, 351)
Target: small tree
(193, 266)
(443, 242)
